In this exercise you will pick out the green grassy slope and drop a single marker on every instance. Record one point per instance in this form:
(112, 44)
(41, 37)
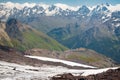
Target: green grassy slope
(23, 37)
(35, 39)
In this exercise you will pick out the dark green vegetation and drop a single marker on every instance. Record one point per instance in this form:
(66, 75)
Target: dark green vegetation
(23, 37)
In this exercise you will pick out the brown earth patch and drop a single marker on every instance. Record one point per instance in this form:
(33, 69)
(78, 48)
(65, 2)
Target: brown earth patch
(108, 75)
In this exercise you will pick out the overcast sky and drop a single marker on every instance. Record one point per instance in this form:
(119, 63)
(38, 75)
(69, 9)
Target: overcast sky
(69, 2)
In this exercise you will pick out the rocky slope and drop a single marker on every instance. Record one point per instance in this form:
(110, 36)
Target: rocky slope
(4, 38)
(22, 37)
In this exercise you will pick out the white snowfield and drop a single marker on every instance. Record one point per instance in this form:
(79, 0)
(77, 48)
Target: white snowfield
(12, 71)
(61, 61)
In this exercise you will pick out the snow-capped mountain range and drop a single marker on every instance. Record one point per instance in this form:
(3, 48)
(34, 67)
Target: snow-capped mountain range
(99, 21)
(9, 9)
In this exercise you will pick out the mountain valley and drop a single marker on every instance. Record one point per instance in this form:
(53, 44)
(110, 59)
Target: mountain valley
(95, 28)
(59, 42)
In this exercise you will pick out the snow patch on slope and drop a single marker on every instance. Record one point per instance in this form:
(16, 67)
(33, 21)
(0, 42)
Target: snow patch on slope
(25, 72)
(61, 61)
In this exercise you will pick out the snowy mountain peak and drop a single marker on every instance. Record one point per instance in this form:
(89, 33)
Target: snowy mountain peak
(114, 8)
(11, 5)
(101, 8)
(60, 5)
(84, 9)
(65, 7)
(9, 9)
(52, 7)
(45, 6)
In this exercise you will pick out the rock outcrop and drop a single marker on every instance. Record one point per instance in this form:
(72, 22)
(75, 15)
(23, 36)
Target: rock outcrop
(108, 75)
